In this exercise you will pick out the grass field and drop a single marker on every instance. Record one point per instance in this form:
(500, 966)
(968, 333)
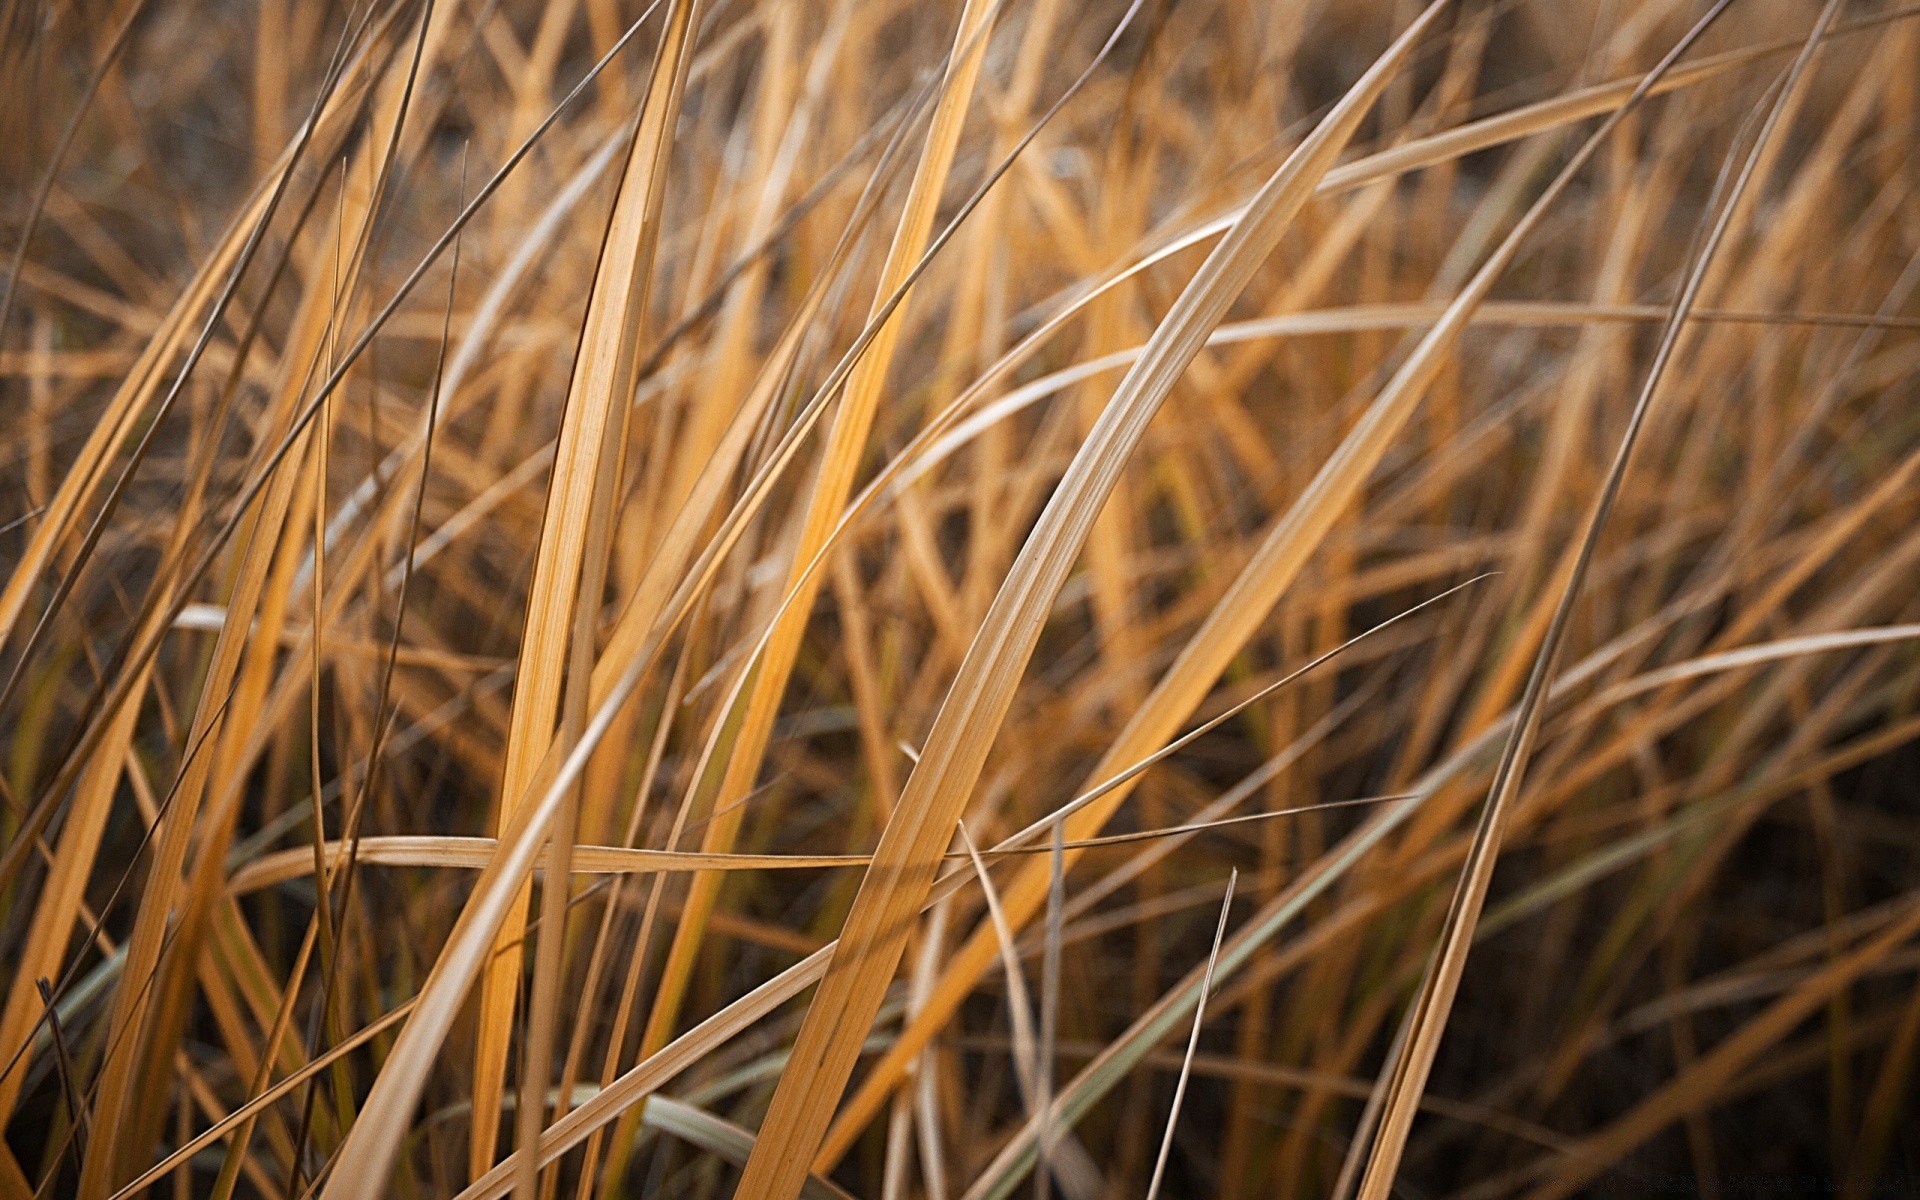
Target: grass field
(959, 600)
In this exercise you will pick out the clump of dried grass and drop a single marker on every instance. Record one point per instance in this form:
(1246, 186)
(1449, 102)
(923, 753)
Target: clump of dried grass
(911, 500)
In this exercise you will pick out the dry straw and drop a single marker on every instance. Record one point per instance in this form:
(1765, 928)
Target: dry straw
(605, 598)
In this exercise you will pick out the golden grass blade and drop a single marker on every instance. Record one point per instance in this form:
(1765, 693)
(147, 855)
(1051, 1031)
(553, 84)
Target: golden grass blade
(1120, 1056)
(131, 1000)
(926, 1102)
(145, 947)
(595, 416)
(1283, 553)
(475, 853)
(1410, 1068)
(661, 1067)
(60, 897)
(13, 1180)
(271, 519)
(845, 446)
(956, 749)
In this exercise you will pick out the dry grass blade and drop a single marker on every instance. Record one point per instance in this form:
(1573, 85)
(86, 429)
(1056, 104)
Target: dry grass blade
(845, 446)
(1078, 1176)
(1193, 1042)
(956, 749)
(585, 464)
(723, 1138)
(655, 1071)
(1281, 555)
(1146, 395)
(1149, 1028)
(60, 898)
(600, 390)
(1410, 1068)
(247, 1112)
(1019, 1007)
(1050, 1005)
(1089, 811)
(146, 1013)
(475, 853)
